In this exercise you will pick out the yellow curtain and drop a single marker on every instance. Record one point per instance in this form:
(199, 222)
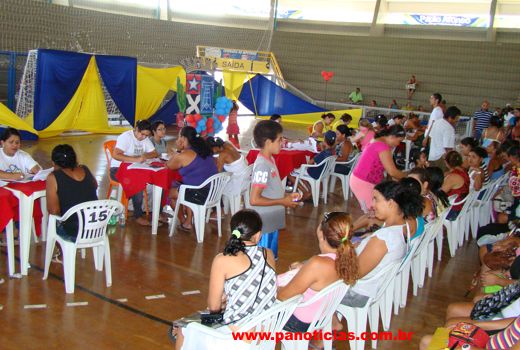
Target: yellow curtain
(310, 118)
(233, 83)
(86, 110)
(152, 86)
(7, 117)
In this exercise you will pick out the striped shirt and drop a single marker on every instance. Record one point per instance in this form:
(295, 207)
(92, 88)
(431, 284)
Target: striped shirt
(507, 338)
(251, 292)
(481, 120)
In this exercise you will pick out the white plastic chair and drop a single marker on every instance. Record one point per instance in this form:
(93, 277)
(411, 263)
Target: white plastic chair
(345, 179)
(481, 212)
(10, 246)
(328, 166)
(216, 185)
(403, 273)
(421, 256)
(455, 228)
(439, 238)
(329, 297)
(93, 217)
(233, 200)
(273, 320)
(357, 317)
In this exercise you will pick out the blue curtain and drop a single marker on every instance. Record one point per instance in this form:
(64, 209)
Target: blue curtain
(167, 113)
(271, 98)
(119, 75)
(58, 75)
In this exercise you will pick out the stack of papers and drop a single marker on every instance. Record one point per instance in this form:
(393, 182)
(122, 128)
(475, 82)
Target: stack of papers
(145, 166)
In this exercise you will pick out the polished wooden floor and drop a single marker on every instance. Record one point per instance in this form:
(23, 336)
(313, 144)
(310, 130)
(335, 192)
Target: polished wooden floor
(121, 317)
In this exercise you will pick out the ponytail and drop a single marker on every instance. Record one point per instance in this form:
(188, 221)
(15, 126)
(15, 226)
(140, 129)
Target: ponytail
(347, 264)
(435, 184)
(244, 225)
(337, 231)
(197, 143)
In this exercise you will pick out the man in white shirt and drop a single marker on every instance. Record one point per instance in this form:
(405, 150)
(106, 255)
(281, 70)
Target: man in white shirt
(442, 137)
(437, 114)
(134, 146)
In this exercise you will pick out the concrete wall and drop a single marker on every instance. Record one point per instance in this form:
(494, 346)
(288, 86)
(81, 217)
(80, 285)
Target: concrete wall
(463, 71)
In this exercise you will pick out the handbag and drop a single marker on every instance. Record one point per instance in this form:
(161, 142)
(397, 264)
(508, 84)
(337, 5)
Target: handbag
(493, 304)
(467, 333)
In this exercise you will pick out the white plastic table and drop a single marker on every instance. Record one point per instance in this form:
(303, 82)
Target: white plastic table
(26, 206)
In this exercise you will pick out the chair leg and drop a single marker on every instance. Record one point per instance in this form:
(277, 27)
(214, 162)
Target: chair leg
(174, 218)
(219, 220)
(226, 202)
(333, 183)
(10, 247)
(200, 223)
(49, 249)
(315, 190)
(429, 262)
(439, 240)
(33, 232)
(108, 263)
(325, 189)
(98, 253)
(69, 266)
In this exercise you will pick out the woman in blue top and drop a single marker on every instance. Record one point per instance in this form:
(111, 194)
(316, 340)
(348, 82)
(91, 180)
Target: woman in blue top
(328, 150)
(194, 160)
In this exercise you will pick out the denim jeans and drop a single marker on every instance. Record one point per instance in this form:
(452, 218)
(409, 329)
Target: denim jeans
(137, 199)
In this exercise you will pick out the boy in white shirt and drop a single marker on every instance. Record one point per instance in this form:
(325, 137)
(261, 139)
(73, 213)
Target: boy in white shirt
(134, 146)
(15, 163)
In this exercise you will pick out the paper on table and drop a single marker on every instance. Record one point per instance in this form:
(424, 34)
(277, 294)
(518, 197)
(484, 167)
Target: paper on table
(3, 183)
(42, 174)
(144, 166)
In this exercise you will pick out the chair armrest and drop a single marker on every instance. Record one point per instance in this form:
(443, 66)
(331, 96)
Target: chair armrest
(348, 162)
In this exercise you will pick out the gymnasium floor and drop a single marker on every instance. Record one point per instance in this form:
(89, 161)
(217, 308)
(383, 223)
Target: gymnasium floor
(121, 317)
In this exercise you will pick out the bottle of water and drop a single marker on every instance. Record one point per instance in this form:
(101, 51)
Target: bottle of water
(122, 220)
(113, 220)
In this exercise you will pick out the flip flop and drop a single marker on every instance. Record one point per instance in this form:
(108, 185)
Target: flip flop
(184, 228)
(172, 337)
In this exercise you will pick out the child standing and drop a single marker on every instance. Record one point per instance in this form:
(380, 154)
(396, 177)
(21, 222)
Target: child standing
(232, 128)
(268, 196)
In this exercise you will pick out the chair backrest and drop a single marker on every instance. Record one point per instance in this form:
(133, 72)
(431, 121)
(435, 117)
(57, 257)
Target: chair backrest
(108, 148)
(93, 217)
(272, 320)
(328, 167)
(329, 299)
(216, 187)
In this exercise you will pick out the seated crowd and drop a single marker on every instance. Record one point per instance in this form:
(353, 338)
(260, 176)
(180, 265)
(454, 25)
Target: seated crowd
(397, 205)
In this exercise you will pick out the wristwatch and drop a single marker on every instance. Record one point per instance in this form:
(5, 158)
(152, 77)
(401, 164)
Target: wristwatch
(466, 347)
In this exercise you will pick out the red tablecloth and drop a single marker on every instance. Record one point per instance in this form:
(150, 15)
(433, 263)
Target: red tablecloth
(286, 161)
(9, 203)
(134, 181)
(8, 207)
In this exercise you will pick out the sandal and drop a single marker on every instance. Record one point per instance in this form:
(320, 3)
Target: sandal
(172, 337)
(184, 228)
(56, 258)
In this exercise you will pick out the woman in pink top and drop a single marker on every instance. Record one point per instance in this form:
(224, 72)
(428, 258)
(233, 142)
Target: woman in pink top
(338, 260)
(365, 134)
(374, 161)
